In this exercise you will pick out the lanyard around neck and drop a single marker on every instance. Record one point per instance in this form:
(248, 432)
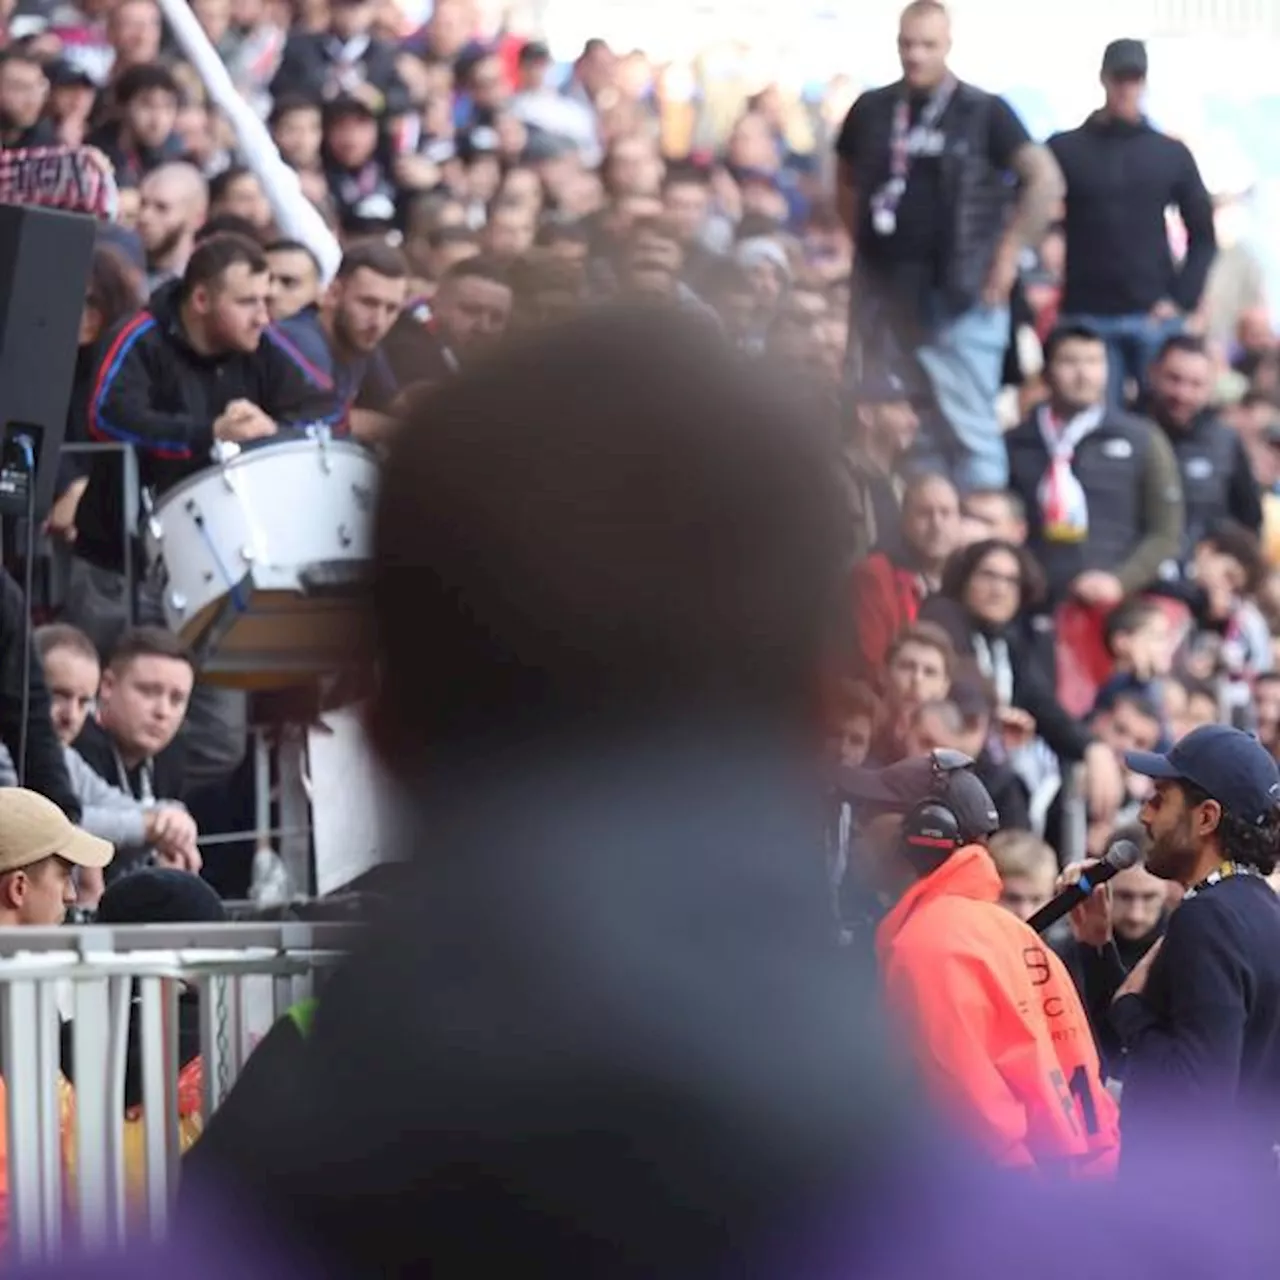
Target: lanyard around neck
(1224, 872)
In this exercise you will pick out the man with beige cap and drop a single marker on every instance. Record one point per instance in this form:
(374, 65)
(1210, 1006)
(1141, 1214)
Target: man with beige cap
(39, 851)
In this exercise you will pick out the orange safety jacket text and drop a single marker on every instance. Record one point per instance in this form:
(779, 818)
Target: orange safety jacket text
(995, 1024)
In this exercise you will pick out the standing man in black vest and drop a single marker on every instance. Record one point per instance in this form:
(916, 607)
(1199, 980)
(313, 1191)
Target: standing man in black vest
(941, 188)
(1101, 488)
(1218, 483)
(1122, 176)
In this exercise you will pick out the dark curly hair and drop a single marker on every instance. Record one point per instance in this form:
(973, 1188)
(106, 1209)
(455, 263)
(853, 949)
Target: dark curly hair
(963, 563)
(1252, 845)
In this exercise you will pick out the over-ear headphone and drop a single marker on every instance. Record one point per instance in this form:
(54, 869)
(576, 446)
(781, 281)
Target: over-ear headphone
(931, 831)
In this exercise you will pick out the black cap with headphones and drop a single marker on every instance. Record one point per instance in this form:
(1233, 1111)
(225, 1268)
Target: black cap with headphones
(944, 805)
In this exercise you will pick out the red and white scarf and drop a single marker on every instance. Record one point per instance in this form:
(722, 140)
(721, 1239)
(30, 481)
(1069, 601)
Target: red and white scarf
(1064, 507)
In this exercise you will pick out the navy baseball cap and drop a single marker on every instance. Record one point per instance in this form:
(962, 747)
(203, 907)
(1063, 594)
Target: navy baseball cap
(945, 776)
(1231, 766)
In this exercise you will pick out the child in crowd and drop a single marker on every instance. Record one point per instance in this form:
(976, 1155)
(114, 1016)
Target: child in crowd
(1028, 870)
(1140, 638)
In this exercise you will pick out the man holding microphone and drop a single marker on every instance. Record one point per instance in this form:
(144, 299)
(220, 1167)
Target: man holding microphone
(1199, 1015)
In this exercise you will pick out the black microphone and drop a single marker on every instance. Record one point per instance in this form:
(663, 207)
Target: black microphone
(1120, 857)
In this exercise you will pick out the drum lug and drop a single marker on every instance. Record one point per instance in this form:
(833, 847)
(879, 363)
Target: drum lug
(178, 602)
(344, 536)
(248, 555)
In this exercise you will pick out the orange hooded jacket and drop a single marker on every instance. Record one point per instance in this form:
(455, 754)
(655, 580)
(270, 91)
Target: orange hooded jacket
(995, 1023)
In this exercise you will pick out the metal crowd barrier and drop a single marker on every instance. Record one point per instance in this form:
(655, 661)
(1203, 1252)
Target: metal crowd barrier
(247, 975)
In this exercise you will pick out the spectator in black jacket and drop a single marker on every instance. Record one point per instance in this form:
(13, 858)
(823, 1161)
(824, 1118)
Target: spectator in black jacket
(345, 59)
(1122, 174)
(1217, 477)
(26, 723)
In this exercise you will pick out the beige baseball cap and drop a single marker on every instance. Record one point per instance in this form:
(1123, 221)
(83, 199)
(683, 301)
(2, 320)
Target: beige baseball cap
(32, 827)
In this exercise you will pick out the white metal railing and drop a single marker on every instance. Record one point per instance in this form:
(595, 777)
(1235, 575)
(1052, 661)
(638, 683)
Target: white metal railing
(247, 975)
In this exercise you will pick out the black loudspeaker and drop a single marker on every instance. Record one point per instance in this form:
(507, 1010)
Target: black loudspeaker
(45, 257)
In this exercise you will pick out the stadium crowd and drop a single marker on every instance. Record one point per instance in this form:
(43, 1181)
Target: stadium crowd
(1053, 395)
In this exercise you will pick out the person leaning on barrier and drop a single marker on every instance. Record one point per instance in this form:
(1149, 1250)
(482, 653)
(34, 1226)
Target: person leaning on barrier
(991, 1015)
(39, 848)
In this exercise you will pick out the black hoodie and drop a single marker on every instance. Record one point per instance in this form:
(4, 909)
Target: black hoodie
(1121, 177)
(155, 391)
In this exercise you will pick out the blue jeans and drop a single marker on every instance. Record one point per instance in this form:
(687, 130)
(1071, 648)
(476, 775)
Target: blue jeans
(1133, 342)
(963, 359)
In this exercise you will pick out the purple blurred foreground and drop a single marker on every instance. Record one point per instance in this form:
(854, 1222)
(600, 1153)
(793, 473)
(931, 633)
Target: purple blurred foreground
(1193, 1218)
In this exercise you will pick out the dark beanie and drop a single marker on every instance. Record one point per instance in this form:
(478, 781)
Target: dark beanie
(157, 895)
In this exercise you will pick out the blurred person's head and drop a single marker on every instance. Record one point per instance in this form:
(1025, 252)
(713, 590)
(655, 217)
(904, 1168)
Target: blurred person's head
(533, 66)
(239, 192)
(1182, 381)
(351, 18)
(147, 96)
(994, 581)
(852, 725)
(172, 203)
(472, 306)
(449, 28)
(596, 67)
(1189, 703)
(1124, 78)
(606, 599)
(1075, 369)
(71, 672)
(134, 31)
(23, 90)
(933, 726)
(730, 293)
(224, 296)
(633, 167)
(294, 279)
(350, 132)
(114, 291)
(765, 263)
(1266, 705)
(509, 232)
(886, 420)
(752, 147)
(919, 666)
(214, 17)
(1214, 800)
(1228, 564)
(924, 42)
(298, 131)
(367, 295)
(145, 689)
(522, 186)
(993, 513)
(931, 521)
(1138, 902)
(546, 290)
(567, 241)
(1139, 637)
(484, 82)
(1128, 721)
(39, 850)
(763, 198)
(686, 201)
(1028, 869)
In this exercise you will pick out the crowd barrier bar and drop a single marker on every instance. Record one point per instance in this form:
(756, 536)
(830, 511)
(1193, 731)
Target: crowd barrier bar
(247, 976)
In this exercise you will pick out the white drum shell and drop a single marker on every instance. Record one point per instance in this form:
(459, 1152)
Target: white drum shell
(264, 516)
